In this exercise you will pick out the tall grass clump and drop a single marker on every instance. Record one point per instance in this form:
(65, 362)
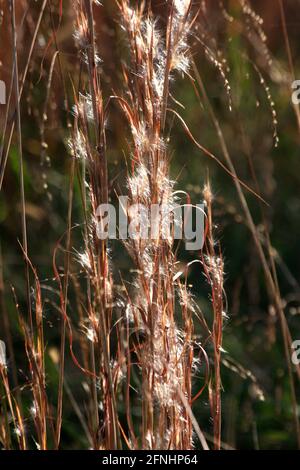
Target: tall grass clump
(150, 342)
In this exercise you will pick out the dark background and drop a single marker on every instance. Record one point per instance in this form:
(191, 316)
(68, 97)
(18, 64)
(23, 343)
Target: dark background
(256, 397)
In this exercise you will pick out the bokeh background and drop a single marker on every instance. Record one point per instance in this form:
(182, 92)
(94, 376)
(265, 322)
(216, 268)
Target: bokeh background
(256, 398)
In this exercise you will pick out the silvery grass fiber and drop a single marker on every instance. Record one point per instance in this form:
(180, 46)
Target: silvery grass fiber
(131, 340)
